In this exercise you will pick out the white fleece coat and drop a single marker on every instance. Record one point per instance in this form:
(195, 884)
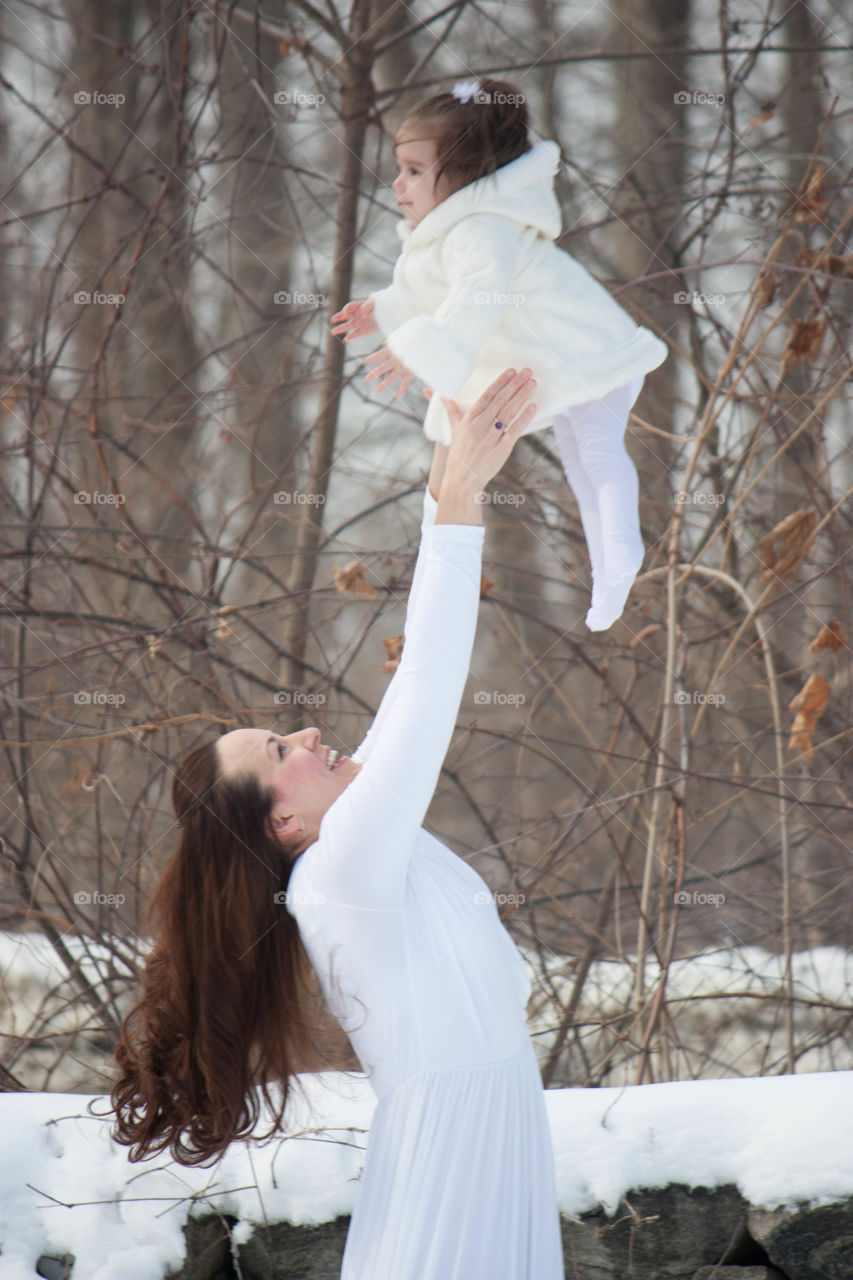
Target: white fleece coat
(480, 287)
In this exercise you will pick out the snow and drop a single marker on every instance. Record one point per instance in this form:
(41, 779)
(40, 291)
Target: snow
(780, 1140)
(126, 1219)
(726, 1000)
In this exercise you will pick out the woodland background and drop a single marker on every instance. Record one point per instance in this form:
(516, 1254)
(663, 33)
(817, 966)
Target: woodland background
(209, 520)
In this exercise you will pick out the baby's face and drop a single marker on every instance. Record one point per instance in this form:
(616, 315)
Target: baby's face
(415, 187)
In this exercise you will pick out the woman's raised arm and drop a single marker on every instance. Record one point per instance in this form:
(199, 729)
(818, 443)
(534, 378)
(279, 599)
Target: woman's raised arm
(367, 835)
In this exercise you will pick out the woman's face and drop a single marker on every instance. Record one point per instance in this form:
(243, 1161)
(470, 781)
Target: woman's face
(305, 776)
(415, 187)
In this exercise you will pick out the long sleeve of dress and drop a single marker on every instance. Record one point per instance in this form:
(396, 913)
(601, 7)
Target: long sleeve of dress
(428, 519)
(366, 837)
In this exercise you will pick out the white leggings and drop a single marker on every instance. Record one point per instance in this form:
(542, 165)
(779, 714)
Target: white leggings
(590, 441)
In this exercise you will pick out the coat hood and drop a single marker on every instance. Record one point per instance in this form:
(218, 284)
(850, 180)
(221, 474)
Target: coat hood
(522, 190)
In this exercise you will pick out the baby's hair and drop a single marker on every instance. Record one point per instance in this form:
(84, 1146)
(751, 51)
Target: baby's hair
(473, 138)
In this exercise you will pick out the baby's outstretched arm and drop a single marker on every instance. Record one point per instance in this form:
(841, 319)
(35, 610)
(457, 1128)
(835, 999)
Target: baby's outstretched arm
(389, 368)
(355, 320)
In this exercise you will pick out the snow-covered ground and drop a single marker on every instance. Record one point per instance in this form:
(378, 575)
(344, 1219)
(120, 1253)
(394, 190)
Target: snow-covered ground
(780, 1140)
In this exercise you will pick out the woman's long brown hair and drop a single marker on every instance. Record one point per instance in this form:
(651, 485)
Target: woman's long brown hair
(229, 1000)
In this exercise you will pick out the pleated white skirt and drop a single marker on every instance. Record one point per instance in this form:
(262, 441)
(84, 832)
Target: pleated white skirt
(458, 1181)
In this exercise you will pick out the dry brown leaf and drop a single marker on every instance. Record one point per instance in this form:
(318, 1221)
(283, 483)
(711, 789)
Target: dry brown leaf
(394, 648)
(486, 585)
(804, 340)
(766, 113)
(809, 705)
(765, 288)
(813, 205)
(834, 264)
(351, 580)
(831, 636)
(781, 550)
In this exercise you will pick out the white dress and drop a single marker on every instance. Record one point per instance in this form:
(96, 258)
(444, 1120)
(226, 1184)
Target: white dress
(458, 1181)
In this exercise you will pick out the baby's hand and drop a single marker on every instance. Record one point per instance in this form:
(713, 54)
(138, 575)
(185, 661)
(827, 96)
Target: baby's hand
(356, 320)
(389, 369)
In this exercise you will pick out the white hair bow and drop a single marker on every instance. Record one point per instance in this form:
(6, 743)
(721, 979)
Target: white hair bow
(465, 90)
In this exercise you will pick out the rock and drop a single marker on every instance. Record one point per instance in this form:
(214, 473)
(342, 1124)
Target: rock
(55, 1268)
(286, 1252)
(671, 1232)
(738, 1273)
(807, 1244)
(208, 1255)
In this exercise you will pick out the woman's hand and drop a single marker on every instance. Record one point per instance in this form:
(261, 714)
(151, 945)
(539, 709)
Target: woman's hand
(389, 369)
(478, 449)
(356, 319)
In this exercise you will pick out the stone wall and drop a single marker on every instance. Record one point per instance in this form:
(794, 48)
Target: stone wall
(674, 1233)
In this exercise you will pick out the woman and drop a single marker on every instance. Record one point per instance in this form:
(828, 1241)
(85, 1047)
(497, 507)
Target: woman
(458, 1182)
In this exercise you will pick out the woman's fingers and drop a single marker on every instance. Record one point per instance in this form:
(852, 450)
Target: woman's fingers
(518, 400)
(493, 394)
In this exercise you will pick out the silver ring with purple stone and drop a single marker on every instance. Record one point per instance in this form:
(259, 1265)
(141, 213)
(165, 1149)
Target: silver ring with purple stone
(500, 426)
